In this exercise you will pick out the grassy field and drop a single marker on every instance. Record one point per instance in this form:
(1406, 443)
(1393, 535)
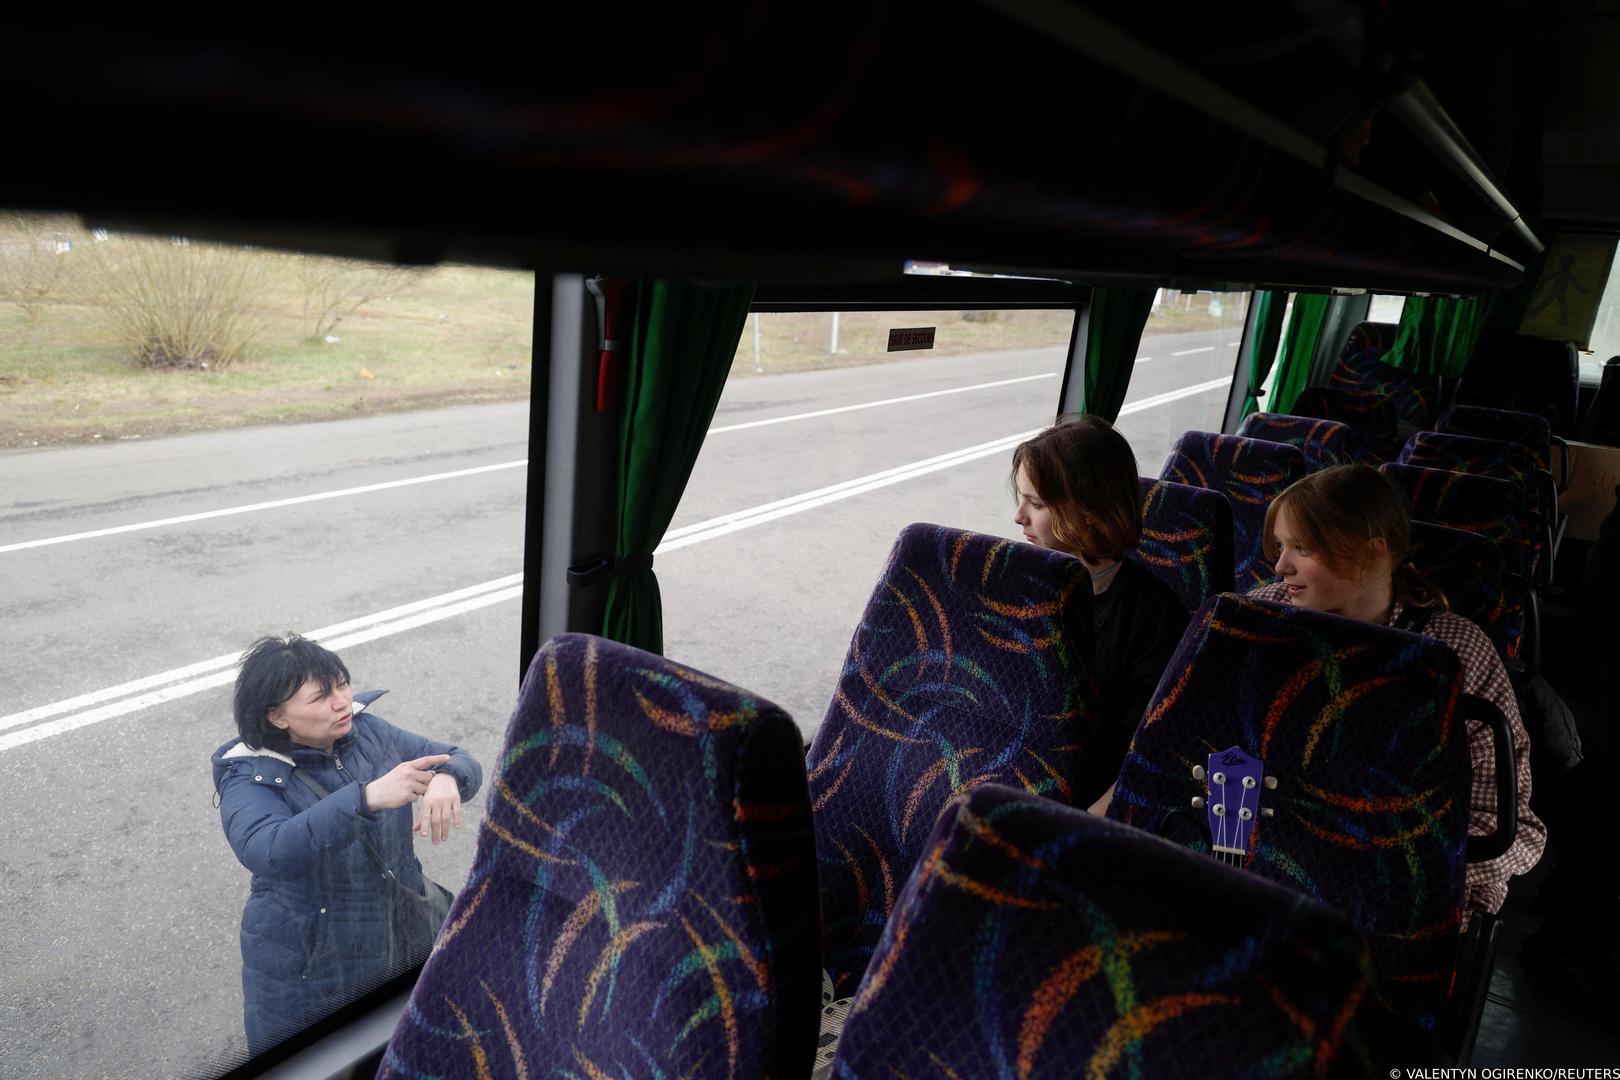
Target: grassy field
(452, 335)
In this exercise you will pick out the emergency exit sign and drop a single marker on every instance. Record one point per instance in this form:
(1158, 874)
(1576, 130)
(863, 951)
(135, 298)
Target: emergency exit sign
(917, 337)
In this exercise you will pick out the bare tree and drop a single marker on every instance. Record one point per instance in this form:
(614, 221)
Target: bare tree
(34, 256)
(335, 288)
(173, 303)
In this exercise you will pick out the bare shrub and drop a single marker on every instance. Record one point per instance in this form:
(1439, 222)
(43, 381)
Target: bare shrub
(173, 303)
(334, 288)
(34, 255)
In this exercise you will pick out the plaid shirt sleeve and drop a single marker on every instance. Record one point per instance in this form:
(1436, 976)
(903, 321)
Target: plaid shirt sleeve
(1483, 675)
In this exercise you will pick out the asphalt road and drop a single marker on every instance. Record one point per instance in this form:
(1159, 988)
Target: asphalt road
(118, 950)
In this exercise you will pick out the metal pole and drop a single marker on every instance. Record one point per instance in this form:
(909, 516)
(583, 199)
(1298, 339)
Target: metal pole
(832, 346)
(757, 369)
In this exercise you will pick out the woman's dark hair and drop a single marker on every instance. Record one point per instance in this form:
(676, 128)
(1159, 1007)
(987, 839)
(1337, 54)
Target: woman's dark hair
(1085, 472)
(1338, 512)
(272, 671)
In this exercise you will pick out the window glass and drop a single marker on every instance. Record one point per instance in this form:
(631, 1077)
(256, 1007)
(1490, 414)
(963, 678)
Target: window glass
(823, 452)
(1606, 330)
(1183, 371)
(1386, 309)
(204, 445)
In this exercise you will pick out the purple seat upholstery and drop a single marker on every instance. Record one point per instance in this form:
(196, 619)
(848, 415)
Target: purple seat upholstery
(1038, 941)
(1468, 569)
(642, 901)
(1361, 368)
(1487, 507)
(970, 664)
(1250, 473)
(1323, 442)
(1369, 415)
(1526, 429)
(1484, 457)
(1186, 539)
(1360, 726)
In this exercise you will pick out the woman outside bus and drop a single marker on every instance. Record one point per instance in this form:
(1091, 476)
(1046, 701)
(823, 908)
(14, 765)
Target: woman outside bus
(315, 799)
(1339, 540)
(1078, 492)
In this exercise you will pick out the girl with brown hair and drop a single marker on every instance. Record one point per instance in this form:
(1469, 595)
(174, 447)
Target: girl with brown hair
(1077, 492)
(1339, 539)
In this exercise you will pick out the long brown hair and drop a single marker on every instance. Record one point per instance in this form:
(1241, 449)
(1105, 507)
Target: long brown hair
(1338, 512)
(1085, 472)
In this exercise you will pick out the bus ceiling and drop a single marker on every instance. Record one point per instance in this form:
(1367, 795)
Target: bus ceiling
(1313, 145)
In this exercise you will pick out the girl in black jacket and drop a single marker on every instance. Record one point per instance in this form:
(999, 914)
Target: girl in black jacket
(1077, 491)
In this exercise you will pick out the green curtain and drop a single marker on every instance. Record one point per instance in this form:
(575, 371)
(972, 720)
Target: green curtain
(1114, 321)
(681, 341)
(1437, 334)
(1269, 308)
(1300, 344)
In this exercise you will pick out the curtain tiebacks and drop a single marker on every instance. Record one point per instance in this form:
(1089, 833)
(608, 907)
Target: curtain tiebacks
(599, 568)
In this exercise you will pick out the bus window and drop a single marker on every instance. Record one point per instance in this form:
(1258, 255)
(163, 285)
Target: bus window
(220, 443)
(1386, 309)
(1183, 371)
(824, 446)
(1605, 331)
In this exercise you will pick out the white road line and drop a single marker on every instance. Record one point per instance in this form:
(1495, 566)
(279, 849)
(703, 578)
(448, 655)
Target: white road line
(113, 701)
(1189, 352)
(431, 478)
(1144, 359)
(878, 404)
(1233, 344)
(251, 508)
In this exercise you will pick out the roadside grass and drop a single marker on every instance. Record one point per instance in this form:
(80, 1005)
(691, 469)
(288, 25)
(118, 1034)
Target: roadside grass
(801, 341)
(461, 335)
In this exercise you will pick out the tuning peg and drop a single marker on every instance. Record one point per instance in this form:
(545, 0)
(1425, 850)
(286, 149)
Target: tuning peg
(1271, 783)
(1219, 777)
(1266, 811)
(1245, 814)
(1248, 783)
(1198, 772)
(1198, 802)
(1220, 809)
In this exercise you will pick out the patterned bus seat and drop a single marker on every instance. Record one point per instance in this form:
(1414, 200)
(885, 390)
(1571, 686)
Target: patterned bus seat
(1487, 507)
(1323, 442)
(1484, 457)
(1370, 416)
(1039, 942)
(1361, 368)
(1526, 429)
(1186, 539)
(1250, 473)
(1468, 569)
(1360, 726)
(642, 901)
(970, 664)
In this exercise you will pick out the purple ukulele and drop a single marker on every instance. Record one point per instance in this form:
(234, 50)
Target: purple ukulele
(1232, 782)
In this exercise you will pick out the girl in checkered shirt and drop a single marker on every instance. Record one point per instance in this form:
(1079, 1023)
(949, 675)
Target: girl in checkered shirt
(1338, 539)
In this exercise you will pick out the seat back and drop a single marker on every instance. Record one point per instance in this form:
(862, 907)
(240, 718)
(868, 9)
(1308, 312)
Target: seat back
(1487, 507)
(1360, 726)
(1361, 368)
(1468, 569)
(970, 664)
(1323, 442)
(1525, 374)
(1186, 539)
(1038, 941)
(642, 901)
(1526, 429)
(1250, 473)
(1370, 416)
(1483, 457)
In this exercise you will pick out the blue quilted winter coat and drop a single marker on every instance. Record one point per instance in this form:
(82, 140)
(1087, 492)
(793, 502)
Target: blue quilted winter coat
(317, 930)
